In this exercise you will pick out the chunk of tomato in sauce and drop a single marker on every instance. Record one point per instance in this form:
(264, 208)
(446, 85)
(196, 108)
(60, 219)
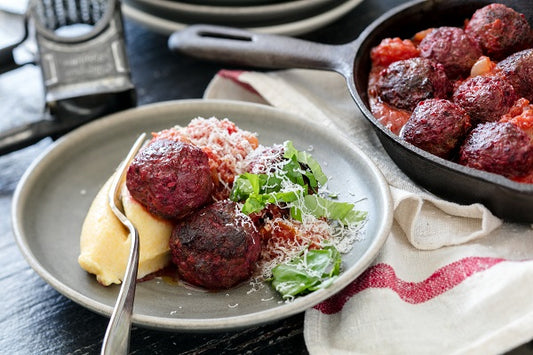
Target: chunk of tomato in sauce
(391, 50)
(521, 114)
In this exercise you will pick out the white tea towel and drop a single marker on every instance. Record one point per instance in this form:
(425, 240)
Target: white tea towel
(450, 278)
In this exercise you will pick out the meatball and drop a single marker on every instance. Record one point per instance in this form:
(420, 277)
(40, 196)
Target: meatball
(485, 98)
(451, 47)
(216, 247)
(500, 148)
(170, 178)
(518, 70)
(437, 126)
(499, 30)
(405, 83)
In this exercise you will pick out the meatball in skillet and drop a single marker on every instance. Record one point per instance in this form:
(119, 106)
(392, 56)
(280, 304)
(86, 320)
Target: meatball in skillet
(216, 247)
(451, 47)
(485, 98)
(170, 178)
(499, 30)
(500, 148)
(437, 126)
(405, 83)
(518, 70)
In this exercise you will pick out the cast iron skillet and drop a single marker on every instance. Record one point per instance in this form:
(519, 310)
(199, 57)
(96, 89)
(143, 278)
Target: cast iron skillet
(507, 199)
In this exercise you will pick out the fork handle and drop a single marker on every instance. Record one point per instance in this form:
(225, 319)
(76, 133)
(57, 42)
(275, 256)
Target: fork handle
(117, 337)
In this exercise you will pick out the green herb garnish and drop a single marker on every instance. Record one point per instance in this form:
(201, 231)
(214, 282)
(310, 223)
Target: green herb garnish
(313, 270)
(312, 171)
(344, 212)
(297, 183)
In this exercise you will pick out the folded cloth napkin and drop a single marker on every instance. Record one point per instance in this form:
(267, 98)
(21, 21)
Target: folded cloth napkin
(450, 278)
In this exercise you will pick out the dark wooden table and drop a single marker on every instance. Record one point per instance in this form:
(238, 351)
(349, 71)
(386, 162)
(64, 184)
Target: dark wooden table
(36, 319)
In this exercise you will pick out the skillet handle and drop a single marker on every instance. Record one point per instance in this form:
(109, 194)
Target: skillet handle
(25, 135)
(241, 47)
(7, 61)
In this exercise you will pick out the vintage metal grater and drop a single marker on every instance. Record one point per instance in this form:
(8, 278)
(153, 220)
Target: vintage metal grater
(85, 70)
(85, 74)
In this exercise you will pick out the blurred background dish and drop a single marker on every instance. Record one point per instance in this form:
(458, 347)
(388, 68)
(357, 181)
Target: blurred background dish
(235, 15)
(287, 18)
(232, 2)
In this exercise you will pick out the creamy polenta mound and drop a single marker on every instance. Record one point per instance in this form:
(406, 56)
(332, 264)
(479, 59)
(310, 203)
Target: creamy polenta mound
(105, 242)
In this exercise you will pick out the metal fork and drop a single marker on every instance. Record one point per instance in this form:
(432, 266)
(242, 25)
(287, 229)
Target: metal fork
(117, 336)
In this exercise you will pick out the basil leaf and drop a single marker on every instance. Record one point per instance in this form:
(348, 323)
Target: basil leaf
(325, 262)
(313, 270)
(253, 204)
(344, 212)
(289, 196)
(307, 160)
(243, 186)
(293, 171)
(290, 281)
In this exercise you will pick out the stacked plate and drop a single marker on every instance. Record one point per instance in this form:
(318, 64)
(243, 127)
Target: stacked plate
(286, 17)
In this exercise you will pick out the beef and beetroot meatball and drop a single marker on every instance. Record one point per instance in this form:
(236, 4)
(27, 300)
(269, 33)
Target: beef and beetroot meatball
(485, 98)
(437, 126)
(405, 83)
(518, 70)
(500, 148)
(170, 178)
(451, 47)
(216, 247)
(499, 30)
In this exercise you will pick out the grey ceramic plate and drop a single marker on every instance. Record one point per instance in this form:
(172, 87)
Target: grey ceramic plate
(54, 195)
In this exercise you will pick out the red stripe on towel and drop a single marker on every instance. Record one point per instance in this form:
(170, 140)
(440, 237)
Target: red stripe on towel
(383, 276)
(233, 75)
